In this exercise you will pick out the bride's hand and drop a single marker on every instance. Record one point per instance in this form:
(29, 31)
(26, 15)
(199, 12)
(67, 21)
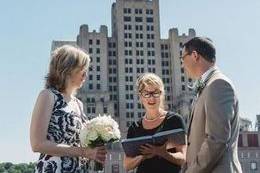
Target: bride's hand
(98, 154)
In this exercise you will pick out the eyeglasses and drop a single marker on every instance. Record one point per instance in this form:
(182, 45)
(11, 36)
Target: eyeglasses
(155, 94)
(182, 58)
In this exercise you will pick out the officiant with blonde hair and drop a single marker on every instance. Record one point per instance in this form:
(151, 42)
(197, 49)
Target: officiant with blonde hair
(154, 158)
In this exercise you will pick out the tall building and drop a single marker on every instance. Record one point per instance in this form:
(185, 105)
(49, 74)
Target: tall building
(134, 47)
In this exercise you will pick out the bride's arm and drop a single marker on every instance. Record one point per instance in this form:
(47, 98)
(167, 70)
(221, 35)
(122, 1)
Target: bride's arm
(38, 132)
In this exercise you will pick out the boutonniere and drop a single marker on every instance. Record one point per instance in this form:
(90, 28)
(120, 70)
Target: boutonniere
(199, 85)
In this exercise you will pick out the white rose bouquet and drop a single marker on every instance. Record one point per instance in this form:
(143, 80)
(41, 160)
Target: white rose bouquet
(99, 131)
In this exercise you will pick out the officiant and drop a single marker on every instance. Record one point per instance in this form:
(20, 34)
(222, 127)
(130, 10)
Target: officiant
(156, 119)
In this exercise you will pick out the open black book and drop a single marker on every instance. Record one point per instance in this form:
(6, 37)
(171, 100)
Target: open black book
(131, 146)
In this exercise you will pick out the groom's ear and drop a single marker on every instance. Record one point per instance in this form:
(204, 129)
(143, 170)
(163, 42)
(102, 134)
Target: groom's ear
(195, 56)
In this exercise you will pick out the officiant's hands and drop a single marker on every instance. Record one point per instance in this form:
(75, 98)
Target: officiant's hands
(98, 154)
(149, 151)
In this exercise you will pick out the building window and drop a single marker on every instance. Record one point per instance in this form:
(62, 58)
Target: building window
(149, 20)
(253, 165)
(98, 42)
(252, 140)
(240, 141)
(162, 46)
(90, 42)
(138, 19)
(90, 50)
(105, 110)
(127, 18)
(115, 87)
(90, 77)
(149, 11)
(88, 110)
(98, 59)
(148, 28)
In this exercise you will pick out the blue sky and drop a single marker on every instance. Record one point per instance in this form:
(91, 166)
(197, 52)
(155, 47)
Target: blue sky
(28, 28)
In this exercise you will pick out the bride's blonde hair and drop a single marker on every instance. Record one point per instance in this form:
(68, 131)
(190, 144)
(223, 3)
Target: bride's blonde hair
(64, 61)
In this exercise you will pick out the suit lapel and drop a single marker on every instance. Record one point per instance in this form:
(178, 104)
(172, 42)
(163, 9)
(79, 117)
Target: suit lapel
(191, 113)
(194, 102)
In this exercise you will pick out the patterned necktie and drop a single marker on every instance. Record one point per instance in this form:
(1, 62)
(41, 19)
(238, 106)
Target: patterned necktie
(199, 86)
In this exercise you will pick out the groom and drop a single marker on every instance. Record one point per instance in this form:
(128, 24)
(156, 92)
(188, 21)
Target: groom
(214, 121)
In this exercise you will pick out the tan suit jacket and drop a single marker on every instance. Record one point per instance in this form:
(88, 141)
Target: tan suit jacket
(214, 128)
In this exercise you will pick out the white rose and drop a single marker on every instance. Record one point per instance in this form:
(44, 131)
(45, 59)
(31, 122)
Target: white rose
(92, 135)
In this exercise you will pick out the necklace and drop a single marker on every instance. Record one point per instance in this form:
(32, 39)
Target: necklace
(151, 120)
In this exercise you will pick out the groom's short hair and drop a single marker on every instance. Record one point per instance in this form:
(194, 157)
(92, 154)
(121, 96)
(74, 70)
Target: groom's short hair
(203, 46)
